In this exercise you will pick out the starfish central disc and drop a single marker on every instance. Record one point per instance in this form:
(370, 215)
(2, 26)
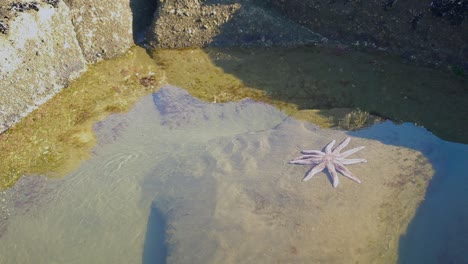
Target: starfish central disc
(333, 160)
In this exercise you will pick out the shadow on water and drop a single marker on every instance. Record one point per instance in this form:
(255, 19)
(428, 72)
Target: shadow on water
(155, 248)
(438, 232)
(336, 77)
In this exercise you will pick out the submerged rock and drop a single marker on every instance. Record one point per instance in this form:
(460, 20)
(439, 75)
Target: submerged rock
(223, 191)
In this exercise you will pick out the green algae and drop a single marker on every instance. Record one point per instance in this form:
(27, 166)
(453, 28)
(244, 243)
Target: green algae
(198, 71)
(194, 70)
(58, 135)
(55, 138)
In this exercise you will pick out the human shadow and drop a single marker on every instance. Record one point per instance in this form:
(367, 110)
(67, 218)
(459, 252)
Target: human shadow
(155, 249)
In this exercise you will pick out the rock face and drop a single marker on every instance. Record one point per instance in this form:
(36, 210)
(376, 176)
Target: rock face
(103, 28)
(432, 32)
(44, 44)
(427, 32)
(39, 55)
(182, 24)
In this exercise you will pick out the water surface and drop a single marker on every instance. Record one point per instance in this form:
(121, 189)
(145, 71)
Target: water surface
(179, 180)
(209, 183)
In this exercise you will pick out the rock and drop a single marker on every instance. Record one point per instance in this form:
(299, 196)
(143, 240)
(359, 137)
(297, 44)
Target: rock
(103, 28)
(39, 56)
(182, 24)
(426, 32)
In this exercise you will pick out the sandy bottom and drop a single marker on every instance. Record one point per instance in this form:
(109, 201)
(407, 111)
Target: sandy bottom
(193, 182)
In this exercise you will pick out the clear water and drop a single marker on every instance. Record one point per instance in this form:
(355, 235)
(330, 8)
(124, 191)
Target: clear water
(177, 180)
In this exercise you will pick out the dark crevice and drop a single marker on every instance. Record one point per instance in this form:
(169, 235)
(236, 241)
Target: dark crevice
(143, 12)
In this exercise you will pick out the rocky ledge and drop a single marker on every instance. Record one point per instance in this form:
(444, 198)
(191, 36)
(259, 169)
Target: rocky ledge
(183, 24)
(46, 43)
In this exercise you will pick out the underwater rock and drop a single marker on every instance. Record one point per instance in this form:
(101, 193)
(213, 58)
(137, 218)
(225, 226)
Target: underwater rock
(179, 110)
(220, 190)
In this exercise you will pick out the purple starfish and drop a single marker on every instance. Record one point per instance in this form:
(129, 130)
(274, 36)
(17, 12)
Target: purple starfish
(333, 160)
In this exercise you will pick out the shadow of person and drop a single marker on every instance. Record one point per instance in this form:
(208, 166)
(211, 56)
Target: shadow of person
(155, 248)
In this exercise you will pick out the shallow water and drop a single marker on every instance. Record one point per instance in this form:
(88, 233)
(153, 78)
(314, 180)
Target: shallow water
(326, 78)
(179, 180)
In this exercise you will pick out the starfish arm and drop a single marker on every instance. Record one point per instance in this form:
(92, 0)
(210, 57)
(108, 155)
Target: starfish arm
(305, 161)
(343, 170)
(329, 147)
(341, 146)
(332, 171)
(349, 152)
(314, 171)
(312, 152)
(310, 157)
(351, 161)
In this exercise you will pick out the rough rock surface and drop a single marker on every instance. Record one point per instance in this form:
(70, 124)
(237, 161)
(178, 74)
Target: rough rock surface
(103, 28)
(181, 24)
(432, 32)
(39, 55)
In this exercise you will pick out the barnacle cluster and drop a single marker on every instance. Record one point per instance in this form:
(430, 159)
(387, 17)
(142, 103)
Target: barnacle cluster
(21, 7)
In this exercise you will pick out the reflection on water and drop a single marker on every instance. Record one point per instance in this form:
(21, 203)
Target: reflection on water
(209, 183)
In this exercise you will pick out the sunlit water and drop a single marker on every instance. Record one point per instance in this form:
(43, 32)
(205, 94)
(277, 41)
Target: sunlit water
(177, 180)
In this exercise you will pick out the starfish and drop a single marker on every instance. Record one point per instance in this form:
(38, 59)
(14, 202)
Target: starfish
(333, 160)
